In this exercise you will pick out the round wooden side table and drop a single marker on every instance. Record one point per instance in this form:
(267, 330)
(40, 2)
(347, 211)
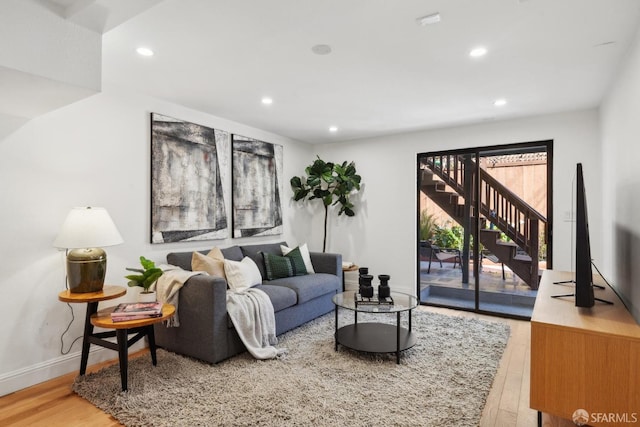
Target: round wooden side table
(140, 327)
(91, 299)
(352, 267)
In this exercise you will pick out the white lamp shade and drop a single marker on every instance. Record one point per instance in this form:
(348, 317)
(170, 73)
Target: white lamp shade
(88, 227)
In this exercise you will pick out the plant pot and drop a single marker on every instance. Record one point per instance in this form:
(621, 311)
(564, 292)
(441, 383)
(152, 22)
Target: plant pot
(147, 296)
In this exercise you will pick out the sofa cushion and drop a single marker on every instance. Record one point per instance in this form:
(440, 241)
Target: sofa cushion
(281, 297)
(254, 252)
(182, 259)
(310, 286)
(234, 253)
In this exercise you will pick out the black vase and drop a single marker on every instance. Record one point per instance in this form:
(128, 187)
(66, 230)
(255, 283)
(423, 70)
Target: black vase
(366, 290)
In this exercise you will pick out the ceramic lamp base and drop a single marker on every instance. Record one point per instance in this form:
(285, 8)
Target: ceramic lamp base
(86, 269)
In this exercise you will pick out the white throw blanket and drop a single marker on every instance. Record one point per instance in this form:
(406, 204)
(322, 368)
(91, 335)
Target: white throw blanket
(251, 313)
(167, 288)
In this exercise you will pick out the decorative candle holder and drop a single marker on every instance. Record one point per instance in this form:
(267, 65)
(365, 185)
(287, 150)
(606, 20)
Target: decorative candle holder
(366, 289)
(383, 290)
(362, 271)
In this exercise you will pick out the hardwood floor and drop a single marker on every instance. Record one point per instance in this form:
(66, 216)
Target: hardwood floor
(52, 403)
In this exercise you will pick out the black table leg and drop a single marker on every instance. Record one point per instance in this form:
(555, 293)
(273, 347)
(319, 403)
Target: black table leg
(336, 334)
(92, 308)
(398, 339)
(152, 344)
(123, 356)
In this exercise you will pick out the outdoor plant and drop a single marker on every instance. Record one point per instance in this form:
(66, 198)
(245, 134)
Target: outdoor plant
(427, 225)
(147, 275)
(448, 237)
(332, 183)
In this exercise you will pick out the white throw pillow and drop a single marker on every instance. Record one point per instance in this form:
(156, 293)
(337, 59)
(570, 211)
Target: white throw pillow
(304, 251)
(243, 274)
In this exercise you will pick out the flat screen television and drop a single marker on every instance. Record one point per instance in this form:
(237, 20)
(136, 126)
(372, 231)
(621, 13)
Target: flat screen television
(584, 294)
(584, 275)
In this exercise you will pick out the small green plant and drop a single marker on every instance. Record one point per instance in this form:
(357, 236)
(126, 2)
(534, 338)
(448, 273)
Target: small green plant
(427, 225)
(449, 238)
(147, 276)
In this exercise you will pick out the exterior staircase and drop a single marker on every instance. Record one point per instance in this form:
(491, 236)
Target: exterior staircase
(499, 206)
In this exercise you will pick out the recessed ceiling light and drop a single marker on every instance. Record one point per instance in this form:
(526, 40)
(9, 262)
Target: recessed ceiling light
(144, 51)
(478, 52)
(267, 101)
(321, 49)
(500, 102)
(333, 129)
(434, 18)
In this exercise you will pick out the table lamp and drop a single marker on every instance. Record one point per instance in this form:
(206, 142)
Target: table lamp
(84, 231)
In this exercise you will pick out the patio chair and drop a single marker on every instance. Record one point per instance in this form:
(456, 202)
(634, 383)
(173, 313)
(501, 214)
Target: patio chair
(433, 252)
(493, 258)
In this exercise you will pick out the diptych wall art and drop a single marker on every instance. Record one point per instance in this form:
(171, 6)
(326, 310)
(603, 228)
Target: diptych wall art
(256, 187)
(187, 201)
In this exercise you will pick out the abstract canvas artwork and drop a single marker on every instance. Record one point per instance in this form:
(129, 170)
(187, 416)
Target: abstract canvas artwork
(187, 200)
(256, 187)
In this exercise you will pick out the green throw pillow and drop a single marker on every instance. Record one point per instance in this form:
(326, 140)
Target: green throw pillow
(278, 267)
(297, 262)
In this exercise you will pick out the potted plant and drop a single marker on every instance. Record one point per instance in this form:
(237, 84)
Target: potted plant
(330, 182)
(147, 276)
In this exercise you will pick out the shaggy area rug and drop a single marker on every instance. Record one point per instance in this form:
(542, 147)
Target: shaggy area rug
(442, 381)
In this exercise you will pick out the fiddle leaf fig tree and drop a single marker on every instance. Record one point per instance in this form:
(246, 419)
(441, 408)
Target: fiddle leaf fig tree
(330, 182)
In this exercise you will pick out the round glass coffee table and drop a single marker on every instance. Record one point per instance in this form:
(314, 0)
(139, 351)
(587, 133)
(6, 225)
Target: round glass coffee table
(375, 337)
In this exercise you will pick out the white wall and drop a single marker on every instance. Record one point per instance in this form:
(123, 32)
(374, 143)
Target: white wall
(382, 235)
(94, 152)
(621, 204)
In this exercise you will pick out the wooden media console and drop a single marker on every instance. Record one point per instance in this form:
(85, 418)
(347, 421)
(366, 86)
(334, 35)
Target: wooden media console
(584, 358)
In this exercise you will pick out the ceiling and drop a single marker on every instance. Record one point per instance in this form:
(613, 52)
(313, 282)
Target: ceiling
(386, 73)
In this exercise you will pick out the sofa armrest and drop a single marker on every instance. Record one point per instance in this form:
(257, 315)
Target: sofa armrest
(327, 263)
(202, 312)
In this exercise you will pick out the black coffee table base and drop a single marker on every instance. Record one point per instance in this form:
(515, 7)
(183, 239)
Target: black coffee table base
(376, 338)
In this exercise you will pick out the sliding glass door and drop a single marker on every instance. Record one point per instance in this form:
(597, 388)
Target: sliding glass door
(483, 226)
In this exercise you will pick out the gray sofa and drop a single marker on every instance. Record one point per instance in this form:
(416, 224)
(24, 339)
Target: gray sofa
(205, 330)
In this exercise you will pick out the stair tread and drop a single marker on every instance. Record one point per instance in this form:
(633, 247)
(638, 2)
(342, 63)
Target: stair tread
(489, 230)
(522, 258)
(501, 243)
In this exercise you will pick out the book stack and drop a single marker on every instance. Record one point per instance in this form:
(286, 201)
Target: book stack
(374, 300)
(136, 310)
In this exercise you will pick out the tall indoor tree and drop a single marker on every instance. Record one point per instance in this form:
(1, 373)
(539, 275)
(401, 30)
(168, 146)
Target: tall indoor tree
(331, 183)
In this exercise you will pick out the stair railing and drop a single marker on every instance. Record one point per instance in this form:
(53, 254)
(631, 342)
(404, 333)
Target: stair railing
(511, 214)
